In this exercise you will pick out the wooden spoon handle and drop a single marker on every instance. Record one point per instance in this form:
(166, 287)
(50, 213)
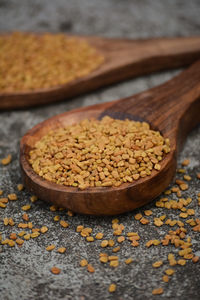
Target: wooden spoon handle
(173, 107)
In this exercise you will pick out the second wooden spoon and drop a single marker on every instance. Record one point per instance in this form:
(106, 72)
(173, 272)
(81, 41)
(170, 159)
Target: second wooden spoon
(123, 59)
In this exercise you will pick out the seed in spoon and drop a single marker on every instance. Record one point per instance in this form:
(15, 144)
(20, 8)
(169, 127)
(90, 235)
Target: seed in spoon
(99, 153)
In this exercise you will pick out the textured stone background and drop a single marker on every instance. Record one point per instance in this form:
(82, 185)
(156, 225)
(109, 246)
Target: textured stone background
(25, 272)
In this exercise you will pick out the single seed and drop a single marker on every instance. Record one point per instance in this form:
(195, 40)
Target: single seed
(90, 268)
(83, 263)
(44, 229)
(90, 238)
(99, 236)
(121, 239)
(165, 278)
(112, 288)
(169, 272)
(26, 207)
(55, 270)
(50, 247)
(157, 291)
(5, 161)
(64, 224)
(116, 249)
(114, 263)
(33, 198)
(128, 261)
(20, 187)
(61, 250)
(185, 162)
(157, 264)
(12, 197)
(104, 243)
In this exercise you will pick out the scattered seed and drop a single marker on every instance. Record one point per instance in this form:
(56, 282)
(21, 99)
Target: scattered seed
(5, 161)
(112, 288)
(55, 270)
(158, 291)
(50, 247)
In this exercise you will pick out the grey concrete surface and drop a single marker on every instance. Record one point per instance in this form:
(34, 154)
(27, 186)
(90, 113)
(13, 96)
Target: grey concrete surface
(25, 272)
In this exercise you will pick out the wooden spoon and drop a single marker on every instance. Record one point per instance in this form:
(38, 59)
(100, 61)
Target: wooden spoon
(173, 108)
(123, 59)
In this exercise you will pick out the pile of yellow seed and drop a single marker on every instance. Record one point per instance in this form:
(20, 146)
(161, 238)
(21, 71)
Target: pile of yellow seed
(99, 153)
(29, 61)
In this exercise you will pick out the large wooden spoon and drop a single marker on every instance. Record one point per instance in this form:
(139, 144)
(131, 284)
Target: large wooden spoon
(123, 59)
(173, 108)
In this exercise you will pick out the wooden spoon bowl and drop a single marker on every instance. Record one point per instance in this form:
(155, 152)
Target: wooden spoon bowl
(123, 59)
(172, 108)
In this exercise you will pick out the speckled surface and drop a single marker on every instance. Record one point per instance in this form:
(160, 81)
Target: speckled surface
(25, 272)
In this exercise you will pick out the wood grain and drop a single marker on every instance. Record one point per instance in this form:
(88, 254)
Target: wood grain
(172, 108)
(123, 59)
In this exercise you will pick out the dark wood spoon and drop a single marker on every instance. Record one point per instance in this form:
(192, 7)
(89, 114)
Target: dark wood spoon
(123, 59)
(173, 108)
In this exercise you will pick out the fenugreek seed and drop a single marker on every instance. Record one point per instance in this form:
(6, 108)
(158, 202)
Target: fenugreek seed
(20, 187)
(114, 263)
(111, 243)
(79, 228)
(116, 249)
(183, 215)
(25, 217)
(33, 198)
(35, 234)
(13, 236)
(158, 222)
(5, 161)
(165, 278)
(157, 264)
(61, 250)
(27, 237)
(121, 239)
(157, 291)
(21, 233)
(184, 186)
(90, 238)
(90, 268)
(185, 162)
(144, 221)
(148, 212)
(19, 242)
(12, 197)
(195, 259)
(1, 192)
(50, 247)
(11, 243)
(43, 229)
(112, 288)
(64, 224)
(5, 242)
(99, 236)
(181, 262)
(55, 270)
(104, 243)
(26, 207)
(56, 218)
(138, 216)
(83, 263)
(2, 205)
(128, 261)
(198, 175)
(103, 259)
(169, 272)
(53, 208)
